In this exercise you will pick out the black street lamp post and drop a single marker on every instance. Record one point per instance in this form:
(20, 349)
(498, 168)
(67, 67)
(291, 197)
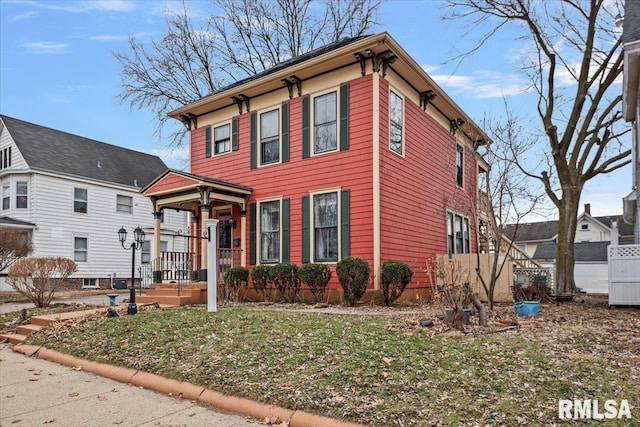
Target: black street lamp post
(138, 236)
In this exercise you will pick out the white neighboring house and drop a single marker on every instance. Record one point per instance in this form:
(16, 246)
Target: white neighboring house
(75, 193)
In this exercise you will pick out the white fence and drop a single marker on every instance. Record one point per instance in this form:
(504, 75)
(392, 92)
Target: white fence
(624, 275)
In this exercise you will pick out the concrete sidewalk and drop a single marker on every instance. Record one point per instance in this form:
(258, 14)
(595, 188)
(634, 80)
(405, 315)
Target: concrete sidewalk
(36, 392)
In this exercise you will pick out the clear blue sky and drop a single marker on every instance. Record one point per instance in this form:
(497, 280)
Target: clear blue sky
(57, 70)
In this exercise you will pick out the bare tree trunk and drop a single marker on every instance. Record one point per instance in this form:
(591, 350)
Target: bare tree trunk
(482, 312)
(567, 223)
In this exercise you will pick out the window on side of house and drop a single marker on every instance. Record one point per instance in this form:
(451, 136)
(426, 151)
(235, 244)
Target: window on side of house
(22, 195)
(325, 227)
(80, 200)
(269, 231)
(80, 249)
(396, 123)
(458, 234)
(145, 252)
(584, 226)
(6, 195)
(459, 165)
(90, 283)
(325, 124)
(270, 137)
(124, 204)
(222, 139)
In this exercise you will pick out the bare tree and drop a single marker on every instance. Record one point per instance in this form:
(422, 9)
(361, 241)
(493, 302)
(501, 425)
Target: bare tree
(574, 61)
(197, 57)
(37, 278)
(14, 244)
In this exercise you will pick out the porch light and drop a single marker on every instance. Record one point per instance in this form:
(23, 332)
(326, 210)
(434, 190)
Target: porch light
(138, 236)
(232, 222)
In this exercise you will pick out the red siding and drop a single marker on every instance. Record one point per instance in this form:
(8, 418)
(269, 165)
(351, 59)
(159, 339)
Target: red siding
(170, 181)
(417, 189)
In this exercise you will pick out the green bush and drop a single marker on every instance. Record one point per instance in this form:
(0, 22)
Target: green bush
(353, 274)
(234, 279)
(395, 277)
(316, 276)
(284, 277)
(261, 279)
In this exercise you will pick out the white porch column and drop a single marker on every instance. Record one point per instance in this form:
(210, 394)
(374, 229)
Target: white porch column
(155, 262)
(243, 238)
(204, 259)
(211, 227)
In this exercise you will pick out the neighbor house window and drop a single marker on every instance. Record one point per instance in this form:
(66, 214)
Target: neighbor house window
(5, 158)
(80, 249)
(458, 234)
(270, 231)
(459, 165)
(584, 226)
(124, 204)
(80, 200)
(325, 226)
(222, 139)
(22, 194)
(90, 283)
(145, 252)
(6, 195)
(395, 122)
(325, 125)
(270, 137)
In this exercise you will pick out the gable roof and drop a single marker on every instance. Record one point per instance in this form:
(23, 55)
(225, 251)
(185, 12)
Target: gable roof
(547, 230)
(51, 150)
(6, 221)
(583, 251)
(631, 25)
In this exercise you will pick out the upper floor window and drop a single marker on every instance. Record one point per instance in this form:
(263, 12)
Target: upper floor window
(270, 137)
(22, 195)
(222, 139)
(80, 249)
(80, 200)
(6, 195)
(270, 231)
(396, 120)
(5, 158)
(124, 204)
(458, 240)
(459, 165)
(584, 226)
(325, 124)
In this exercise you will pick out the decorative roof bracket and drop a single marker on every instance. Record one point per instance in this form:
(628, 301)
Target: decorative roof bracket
(455, 124)
(363, 62)
(239, 100)
(189, 119)
(294, 81)
(382, 60)
(425, 98)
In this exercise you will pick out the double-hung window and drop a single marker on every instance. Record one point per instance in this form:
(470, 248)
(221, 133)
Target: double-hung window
(222, 139)
(325, 226)
(80, 249)
(458, 234)
(6, 195)
(22, 195)
(145, 252)
(325, 124)
(395, 122)
(270, 231)
(124, 204)
(459, 165)
(80, 200)
(270, 137)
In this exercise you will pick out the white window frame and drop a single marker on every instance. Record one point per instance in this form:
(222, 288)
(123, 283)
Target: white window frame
(145, 252)
(77, 200)
(585, 226)
(393, 93)
(452, 230)
(77, 250)
(460, 165)
(6, 195)
(312, 223)
(88, 283)
(119, 204)
(18, 194)
(259, 141)
(259, 231)
(312, 120)
(214, 140)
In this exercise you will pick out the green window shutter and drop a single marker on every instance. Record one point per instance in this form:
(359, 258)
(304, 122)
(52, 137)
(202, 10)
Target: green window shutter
(306, 221)
(306, 130)
(344, 117)
(234, 134)
(285, 132)
(252, 233)
(252, 140)
(345, 237)
(286, 239)
(207, 142)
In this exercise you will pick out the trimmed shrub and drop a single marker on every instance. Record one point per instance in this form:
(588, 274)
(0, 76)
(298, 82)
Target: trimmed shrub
(284, 277)
(353, 274)
(261, 278)
(316, 276)
(395, 277)
(234, 279)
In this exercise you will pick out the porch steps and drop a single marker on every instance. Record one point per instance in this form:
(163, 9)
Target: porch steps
(168, 294)
(39, 322)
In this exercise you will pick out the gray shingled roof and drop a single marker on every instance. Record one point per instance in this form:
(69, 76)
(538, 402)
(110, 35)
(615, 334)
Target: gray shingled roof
(547, 230)
(8, 221)
(56, 151)
(631, 26)
(583, 251)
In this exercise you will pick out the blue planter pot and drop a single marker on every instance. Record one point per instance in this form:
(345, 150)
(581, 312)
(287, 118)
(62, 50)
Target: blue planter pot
(526, 308)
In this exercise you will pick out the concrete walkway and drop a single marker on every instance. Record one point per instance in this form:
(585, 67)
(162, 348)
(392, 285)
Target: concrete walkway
(36, 392)
(88, 299)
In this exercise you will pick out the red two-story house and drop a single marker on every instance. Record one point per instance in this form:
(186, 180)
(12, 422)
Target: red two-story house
(349, 150)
